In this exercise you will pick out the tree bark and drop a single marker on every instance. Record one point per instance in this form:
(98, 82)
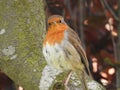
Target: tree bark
(21, 32)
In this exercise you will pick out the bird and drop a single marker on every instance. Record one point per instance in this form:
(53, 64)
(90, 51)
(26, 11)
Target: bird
(63, 50)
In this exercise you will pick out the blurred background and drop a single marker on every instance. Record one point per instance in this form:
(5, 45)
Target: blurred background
(97, 24)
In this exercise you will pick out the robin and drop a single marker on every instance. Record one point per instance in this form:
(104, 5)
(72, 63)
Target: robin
(62, 49)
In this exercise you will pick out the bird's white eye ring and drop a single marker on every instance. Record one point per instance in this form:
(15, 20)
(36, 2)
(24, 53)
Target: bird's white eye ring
(59, 21)
(62, 20)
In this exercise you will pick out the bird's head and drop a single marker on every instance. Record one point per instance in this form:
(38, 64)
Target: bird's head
(56, 29)
(55, 20)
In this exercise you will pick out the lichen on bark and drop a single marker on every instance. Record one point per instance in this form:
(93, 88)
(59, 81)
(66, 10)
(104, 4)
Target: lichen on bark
(22, 30)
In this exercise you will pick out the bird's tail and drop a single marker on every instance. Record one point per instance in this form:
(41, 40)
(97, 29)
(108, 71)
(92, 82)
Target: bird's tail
(82, 77)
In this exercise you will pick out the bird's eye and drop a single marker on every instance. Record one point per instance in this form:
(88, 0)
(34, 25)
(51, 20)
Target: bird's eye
(59, 21)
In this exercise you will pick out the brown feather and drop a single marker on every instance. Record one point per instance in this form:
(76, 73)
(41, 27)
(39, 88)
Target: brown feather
(75, 40)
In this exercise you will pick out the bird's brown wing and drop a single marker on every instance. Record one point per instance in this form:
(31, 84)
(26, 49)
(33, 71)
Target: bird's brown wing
(75, 41)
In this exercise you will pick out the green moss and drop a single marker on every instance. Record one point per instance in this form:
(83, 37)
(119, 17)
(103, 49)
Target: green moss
(24, 22)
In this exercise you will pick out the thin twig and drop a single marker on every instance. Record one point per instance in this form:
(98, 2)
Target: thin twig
(113, 40)
(110, 9)
(104, 8)
(118, 50)
(81, 15)
(115, 46)
(67, 3)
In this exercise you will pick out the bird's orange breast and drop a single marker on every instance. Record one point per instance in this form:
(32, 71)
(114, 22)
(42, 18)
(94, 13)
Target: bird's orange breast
(55, 34)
